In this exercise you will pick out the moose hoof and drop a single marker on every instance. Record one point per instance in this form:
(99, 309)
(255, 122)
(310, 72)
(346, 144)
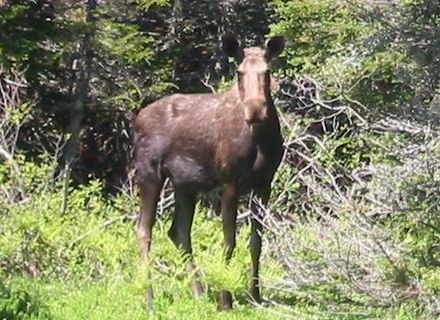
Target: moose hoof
(225, 302)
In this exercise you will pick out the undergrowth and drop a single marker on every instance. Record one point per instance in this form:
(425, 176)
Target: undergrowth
(83, 264)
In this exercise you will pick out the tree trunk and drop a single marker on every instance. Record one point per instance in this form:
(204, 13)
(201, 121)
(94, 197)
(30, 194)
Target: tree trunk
(81, 90)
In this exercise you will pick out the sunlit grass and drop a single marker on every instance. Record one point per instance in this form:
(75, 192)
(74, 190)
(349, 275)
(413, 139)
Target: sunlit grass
(119, 294)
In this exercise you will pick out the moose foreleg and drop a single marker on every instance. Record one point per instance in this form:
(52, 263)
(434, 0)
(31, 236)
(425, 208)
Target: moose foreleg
(263, 195)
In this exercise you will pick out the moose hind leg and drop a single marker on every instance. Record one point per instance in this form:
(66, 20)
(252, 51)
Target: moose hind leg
(180, 233)
(149, 193)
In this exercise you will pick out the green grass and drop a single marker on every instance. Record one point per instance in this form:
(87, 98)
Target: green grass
(119, 294)
(87, 271)
(118, 299)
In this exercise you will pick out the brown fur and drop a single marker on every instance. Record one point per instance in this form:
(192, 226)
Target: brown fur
(230, 141)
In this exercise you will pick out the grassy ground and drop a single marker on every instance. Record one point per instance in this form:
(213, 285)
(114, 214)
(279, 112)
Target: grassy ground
(120, 295)
(118, 299)
(93, 272)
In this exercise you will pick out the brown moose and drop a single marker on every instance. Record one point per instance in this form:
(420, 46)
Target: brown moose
(229, 141)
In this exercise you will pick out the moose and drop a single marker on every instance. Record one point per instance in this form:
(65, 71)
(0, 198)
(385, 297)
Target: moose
(228, 141)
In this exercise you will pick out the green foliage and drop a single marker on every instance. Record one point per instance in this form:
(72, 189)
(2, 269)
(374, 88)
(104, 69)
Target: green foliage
(380, 73)
(344, 151)
(345, 46)
(92, 253)
(38, 239)
(419, 225)
(84, 264)
(17, 48)
(146, 4)
(316, 31)
(16, 302)
(124, 42)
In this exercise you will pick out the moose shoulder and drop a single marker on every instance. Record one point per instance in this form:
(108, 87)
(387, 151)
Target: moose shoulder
(230, 141)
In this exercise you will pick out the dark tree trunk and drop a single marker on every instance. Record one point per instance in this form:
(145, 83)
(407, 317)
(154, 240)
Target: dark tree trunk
(80, 92)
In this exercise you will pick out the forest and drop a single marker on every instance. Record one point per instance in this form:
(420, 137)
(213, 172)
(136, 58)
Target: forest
(352, 228)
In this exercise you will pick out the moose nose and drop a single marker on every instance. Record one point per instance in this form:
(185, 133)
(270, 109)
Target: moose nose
(255, 112)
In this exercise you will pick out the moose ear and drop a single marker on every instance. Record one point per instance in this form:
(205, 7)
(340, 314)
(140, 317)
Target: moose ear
(231, 45)
(274, 46)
